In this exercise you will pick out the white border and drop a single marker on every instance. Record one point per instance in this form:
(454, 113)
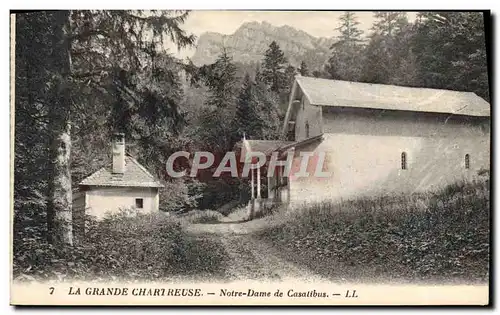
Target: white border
(192, 4)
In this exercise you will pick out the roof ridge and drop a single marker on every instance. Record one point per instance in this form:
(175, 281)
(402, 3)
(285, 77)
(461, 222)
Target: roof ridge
(135, 175)
(341, 93)
(385, 84)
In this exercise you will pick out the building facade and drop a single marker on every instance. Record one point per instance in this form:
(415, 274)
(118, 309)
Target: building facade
(380, 139)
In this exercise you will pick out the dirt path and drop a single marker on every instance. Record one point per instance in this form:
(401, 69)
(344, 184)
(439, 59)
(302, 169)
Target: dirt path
(249, 258)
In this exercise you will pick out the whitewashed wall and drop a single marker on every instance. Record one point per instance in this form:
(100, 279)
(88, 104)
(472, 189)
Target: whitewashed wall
(364, 155)
(100, 200)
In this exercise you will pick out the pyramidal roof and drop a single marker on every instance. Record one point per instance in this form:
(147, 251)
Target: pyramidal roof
(135, 175)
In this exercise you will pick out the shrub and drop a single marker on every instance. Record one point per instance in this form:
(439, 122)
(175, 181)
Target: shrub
(142, 247)
(201, 216)
(179, 194)
(428, 236)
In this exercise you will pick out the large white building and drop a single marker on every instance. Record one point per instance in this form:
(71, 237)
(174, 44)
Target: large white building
(380, 139)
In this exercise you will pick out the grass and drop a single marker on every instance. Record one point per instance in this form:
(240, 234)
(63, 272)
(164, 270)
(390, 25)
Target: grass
(201, 216)
(438, 236)
(142, 247)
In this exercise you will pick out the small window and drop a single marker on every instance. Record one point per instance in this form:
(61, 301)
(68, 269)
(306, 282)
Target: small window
(467, 161)
(139, 203)
(307, 129)
(404, 165)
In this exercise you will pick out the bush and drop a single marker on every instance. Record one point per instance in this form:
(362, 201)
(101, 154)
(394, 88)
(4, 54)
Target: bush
(141, 247)
(441, 235)
(201, 216)
(179, 194)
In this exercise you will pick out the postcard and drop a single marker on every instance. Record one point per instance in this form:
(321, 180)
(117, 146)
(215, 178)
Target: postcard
(250, 158)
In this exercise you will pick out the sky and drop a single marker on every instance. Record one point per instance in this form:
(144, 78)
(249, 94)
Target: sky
(316, 23)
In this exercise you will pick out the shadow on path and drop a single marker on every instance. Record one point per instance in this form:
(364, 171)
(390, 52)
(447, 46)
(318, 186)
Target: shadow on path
(229, 222)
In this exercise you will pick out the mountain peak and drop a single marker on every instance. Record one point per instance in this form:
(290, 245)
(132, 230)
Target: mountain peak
(250, 41)
(256, 24)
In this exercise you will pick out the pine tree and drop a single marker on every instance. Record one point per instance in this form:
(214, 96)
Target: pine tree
(451, 52)
(274, 67)
(389, 23)
(376, 68)
(259, 78)
(350, 34)
(221, 81)
(407, 72)
(290, 73)
(345, 62)
(387, 48)
(31, 161)
(214, 132)
(86, 48)
(304, 70)
(247, 120)
(323, 73)
(269, 111)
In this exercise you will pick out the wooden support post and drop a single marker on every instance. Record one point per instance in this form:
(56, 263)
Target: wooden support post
(251, 183)
(269, 196)
(258, 183)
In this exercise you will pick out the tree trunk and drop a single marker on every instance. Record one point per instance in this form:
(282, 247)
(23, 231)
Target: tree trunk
(59, 210)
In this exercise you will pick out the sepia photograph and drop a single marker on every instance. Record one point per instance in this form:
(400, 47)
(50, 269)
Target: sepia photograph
(190, 157)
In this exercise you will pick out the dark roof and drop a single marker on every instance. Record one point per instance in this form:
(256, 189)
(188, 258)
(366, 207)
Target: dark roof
(269, 146)
(325, 92)
(135, 175)
(301, 143)
(264, 146)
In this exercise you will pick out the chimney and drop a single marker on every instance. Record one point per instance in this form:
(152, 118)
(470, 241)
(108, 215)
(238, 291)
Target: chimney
(118, 150)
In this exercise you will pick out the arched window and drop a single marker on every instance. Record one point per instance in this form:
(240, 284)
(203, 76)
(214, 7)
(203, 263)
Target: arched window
(467, 161)
(307, 129)
(404, 165)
